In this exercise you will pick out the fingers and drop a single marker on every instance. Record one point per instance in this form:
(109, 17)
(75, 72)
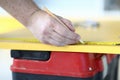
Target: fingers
(62, 40)
(56, 43)
(67, 23)
(50, 40)
(54, 38)
(58, 35)
(65, 32)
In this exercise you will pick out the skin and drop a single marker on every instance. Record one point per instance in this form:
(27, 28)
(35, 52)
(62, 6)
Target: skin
(44, 27)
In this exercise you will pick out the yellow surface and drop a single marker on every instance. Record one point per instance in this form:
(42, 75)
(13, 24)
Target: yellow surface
(8, 24)
(108, 31)
(15, 36)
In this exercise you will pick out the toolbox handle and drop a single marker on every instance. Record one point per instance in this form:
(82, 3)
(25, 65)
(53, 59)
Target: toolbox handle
(31, 55)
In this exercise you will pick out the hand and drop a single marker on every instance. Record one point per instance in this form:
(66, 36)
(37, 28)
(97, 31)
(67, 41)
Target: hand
(49, 31)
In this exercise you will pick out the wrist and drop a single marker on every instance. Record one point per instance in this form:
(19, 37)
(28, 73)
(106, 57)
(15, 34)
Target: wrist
(28, 17)
(34, 18)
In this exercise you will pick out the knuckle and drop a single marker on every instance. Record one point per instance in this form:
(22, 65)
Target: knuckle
(69, 41)
(69, 21)
(64, 32)
(45, 32)
(61, 44)
(58, 43)
(61, 41)
(42, 39)
(74, 34)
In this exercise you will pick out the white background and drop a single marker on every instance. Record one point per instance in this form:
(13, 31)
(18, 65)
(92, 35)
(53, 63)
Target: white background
(5, 62)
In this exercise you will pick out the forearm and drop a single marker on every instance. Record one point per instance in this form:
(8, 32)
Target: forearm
(20, 9)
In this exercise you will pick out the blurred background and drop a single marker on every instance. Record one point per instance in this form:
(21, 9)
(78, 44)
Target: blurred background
(71, 9)
(81, 8)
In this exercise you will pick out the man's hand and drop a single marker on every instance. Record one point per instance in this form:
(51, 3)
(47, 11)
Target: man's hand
(44, 27)
(49, 31)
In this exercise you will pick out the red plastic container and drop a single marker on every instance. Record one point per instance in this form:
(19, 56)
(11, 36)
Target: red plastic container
(68, 64)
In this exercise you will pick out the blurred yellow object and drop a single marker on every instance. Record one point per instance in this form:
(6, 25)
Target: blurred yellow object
(14, 35)
(8, 24)
(108, 31)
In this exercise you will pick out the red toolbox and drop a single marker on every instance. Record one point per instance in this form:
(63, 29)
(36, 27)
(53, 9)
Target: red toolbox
(45, 65)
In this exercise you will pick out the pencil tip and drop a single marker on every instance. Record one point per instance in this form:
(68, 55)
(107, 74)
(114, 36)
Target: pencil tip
(81, 41)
